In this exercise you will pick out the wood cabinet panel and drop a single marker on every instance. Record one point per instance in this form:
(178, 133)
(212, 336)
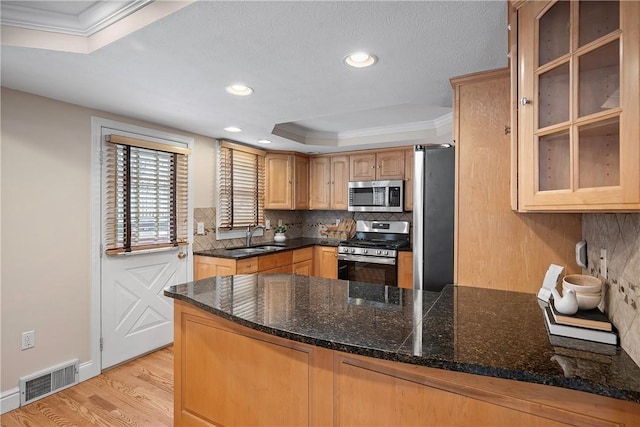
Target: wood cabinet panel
(362, 167)
(247, 265)
(278, 270)
(326, 262)
(221, 372)
(304, 254)
(320, 183)
(287, 181)
(372, 166)
(301, 183)
(488, 232)
(204, 267)
(328, 182)
(405, 269)
(339, 182)
(390, 165)
(303, 268)
(278, 175)
(271, 261)
(408, 179)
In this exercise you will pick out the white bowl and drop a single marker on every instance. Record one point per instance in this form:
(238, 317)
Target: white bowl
(588, 301)
(565, 289)
(582, 283)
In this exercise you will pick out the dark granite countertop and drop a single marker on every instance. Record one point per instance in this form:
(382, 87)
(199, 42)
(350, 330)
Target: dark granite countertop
(288, 244)
(478, 331)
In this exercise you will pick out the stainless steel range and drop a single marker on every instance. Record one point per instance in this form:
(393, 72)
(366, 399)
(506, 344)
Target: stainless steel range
(372, 255)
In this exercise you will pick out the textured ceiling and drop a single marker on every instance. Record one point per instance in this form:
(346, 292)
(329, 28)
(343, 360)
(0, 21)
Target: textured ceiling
(173, 71)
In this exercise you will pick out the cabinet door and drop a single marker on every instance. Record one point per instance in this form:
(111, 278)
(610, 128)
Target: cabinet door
(408, 179)
(405, 269)
(301, 187)
(326, 262)
(362, 167)
(390, 165)
(278, 169)
(320, 183)
(340, 182)
(303, 268)
(578, 126)
(205, 266)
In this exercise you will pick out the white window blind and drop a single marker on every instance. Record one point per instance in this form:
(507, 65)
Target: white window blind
(241, 186)
(146, 195)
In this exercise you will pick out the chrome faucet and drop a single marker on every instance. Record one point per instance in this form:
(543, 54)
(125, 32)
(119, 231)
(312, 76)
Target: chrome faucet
(250, 232)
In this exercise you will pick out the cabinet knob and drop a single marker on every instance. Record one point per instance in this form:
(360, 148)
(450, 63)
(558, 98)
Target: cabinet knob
(182, 255)
(524, 101)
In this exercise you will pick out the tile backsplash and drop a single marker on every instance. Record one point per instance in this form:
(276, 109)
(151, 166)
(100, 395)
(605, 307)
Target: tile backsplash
(619, 234)
(299, 224)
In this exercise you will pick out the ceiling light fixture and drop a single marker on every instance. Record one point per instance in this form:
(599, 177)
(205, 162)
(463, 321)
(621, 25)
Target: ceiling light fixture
(239, 89)
(264, 141)
(232, 129)
(360, 60)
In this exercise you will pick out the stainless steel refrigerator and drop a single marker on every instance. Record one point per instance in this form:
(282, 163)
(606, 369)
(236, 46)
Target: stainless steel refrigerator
(433, 212)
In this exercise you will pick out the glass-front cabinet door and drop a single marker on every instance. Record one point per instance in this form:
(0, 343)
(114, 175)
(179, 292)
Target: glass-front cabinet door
(578, 112)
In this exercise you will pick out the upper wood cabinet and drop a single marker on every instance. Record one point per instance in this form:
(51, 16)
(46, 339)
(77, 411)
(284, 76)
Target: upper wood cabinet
(328, 182)
(372, 166)
(577, 105)
(408, 179)
(287, 181)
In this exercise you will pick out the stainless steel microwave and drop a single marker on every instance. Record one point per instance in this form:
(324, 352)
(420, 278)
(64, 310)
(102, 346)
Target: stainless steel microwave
(376, 196)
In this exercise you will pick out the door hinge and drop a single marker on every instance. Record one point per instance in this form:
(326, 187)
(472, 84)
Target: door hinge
(101, 156)
(101, 343)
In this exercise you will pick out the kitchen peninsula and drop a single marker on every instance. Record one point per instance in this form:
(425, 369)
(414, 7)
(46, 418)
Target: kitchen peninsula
(284, 349)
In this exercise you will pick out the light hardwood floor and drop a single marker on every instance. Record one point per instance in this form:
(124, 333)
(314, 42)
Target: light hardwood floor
(138, 393)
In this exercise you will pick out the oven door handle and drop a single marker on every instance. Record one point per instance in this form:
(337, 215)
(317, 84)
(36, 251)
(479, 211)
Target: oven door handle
(369, 259)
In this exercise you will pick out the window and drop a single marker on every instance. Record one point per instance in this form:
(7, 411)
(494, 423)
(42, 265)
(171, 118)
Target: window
(146, 195)
(241, 187)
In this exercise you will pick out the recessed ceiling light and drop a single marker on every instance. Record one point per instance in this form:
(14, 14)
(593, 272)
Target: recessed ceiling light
(239, 90)
(360, 60)
(232, 129)
(264, 141)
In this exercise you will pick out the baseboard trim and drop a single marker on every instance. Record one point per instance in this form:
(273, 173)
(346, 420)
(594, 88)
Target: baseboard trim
(88, 370)
(9, 400)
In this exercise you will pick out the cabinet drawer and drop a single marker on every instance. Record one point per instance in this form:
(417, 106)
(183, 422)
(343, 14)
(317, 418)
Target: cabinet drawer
(304, 254)
(268, 262)
(277, 270)
(247, 266)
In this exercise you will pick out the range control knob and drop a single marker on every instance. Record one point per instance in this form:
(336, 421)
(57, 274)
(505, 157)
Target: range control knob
(352, 250)
(386, 252)
(378, 252)
(364, 251)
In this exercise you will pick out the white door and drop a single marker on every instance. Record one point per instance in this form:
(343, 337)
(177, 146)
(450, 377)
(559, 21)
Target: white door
(136, 317)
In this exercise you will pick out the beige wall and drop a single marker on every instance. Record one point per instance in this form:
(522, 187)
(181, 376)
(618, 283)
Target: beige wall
(46, 228)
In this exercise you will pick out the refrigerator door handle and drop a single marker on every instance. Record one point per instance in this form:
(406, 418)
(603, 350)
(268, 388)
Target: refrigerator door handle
(418, 217)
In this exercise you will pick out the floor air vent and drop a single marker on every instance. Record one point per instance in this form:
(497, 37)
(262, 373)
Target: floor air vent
(43, 383)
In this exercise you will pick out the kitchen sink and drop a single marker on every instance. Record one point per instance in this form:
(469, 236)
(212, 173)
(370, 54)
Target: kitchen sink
(255, 250)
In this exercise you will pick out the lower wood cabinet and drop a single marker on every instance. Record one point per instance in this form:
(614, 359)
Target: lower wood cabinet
(405, 269)
(326, 262)
(205, 266)
(226, 374)
(299, 261)
(303, 261)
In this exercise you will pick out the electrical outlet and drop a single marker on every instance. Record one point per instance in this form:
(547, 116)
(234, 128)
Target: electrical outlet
(200, 228)
(337, 221)
(267, 224)
(28, 339)
(603, 263)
